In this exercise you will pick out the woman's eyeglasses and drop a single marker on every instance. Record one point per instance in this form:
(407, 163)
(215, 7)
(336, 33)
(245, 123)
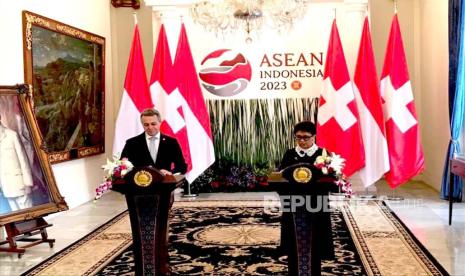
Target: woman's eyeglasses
(304, 138)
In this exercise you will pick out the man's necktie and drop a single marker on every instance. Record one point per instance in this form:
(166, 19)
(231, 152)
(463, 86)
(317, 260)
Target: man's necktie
(152, 148)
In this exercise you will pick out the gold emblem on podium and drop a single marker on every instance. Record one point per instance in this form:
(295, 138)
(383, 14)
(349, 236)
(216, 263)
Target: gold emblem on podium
(302, 175)
(143, 178)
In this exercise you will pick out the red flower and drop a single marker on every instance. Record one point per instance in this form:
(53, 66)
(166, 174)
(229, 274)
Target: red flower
(263, 183)
(215, 184)
(117, 173)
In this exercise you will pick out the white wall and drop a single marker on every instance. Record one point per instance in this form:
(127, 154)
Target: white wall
(434, 120)
(122, 31)
(76, 179)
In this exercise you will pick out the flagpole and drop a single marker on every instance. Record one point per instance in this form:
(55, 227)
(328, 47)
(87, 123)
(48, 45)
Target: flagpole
(189, 194)
(366, 194)
(394, 196)
(134, 14)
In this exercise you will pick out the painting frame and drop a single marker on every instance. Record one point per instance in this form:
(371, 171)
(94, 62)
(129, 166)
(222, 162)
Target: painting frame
(65, 68)
(16, 115)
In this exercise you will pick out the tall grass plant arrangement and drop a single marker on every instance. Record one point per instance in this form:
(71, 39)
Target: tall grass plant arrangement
(252, 134)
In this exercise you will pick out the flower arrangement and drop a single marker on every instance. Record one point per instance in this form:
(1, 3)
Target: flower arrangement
(114, 169)
(333, 164)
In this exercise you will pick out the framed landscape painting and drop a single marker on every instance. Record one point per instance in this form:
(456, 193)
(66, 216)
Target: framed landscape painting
(27, 186)
(65, 67)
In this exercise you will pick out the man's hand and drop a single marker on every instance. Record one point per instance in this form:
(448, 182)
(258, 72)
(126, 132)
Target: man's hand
(165, 172)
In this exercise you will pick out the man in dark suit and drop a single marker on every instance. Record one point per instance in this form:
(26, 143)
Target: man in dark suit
(152, 148)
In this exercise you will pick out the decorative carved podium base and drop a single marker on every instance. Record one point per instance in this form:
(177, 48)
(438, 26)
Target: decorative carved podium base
(306, 234)
(149, 196)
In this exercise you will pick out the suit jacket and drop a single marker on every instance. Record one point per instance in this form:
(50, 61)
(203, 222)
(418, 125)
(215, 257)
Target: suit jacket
(291, 157)
(169, 155)
(15, 172)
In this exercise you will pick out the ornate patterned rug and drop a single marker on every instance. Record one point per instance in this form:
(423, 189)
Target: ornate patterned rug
(385, 245)
(241, 237)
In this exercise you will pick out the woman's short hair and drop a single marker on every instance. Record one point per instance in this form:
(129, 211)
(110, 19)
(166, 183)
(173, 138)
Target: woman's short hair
(305, 126)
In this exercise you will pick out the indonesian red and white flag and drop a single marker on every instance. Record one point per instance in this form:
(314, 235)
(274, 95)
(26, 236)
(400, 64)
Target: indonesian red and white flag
(370, 110)
(338, 129)
(402, 132)
(135, 98)
(176, 92)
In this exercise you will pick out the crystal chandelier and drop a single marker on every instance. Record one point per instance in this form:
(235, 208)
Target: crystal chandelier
(226, 16)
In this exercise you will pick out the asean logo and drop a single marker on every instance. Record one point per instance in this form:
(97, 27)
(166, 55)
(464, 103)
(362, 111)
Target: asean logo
(225, 73)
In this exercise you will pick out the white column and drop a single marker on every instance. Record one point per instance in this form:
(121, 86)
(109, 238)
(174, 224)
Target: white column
(350, 27)
(170, 13)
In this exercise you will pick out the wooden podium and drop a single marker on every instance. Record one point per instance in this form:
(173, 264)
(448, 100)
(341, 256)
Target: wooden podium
(149, 196)
(306, 235)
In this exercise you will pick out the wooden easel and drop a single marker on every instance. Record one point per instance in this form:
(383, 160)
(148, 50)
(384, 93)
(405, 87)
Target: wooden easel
(22, 232)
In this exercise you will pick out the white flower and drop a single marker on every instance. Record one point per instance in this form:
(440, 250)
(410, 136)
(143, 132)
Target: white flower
(324, 170)
(115, 167)
(337, 163)
(320, 160)
(109, 166)
(334, 163)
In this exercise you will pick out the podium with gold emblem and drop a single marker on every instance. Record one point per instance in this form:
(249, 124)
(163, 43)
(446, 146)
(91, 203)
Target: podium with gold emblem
(149, 196)
(306, 234)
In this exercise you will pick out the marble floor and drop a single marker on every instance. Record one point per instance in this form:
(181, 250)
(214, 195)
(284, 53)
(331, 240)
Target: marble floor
(427, 217)
(421, 211)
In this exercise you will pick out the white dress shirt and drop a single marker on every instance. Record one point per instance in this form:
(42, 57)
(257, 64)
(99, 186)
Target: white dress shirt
(157, 142)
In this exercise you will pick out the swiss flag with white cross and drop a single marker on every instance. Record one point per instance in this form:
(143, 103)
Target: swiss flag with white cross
(176, 93)
(338, 128)
(402, 132)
